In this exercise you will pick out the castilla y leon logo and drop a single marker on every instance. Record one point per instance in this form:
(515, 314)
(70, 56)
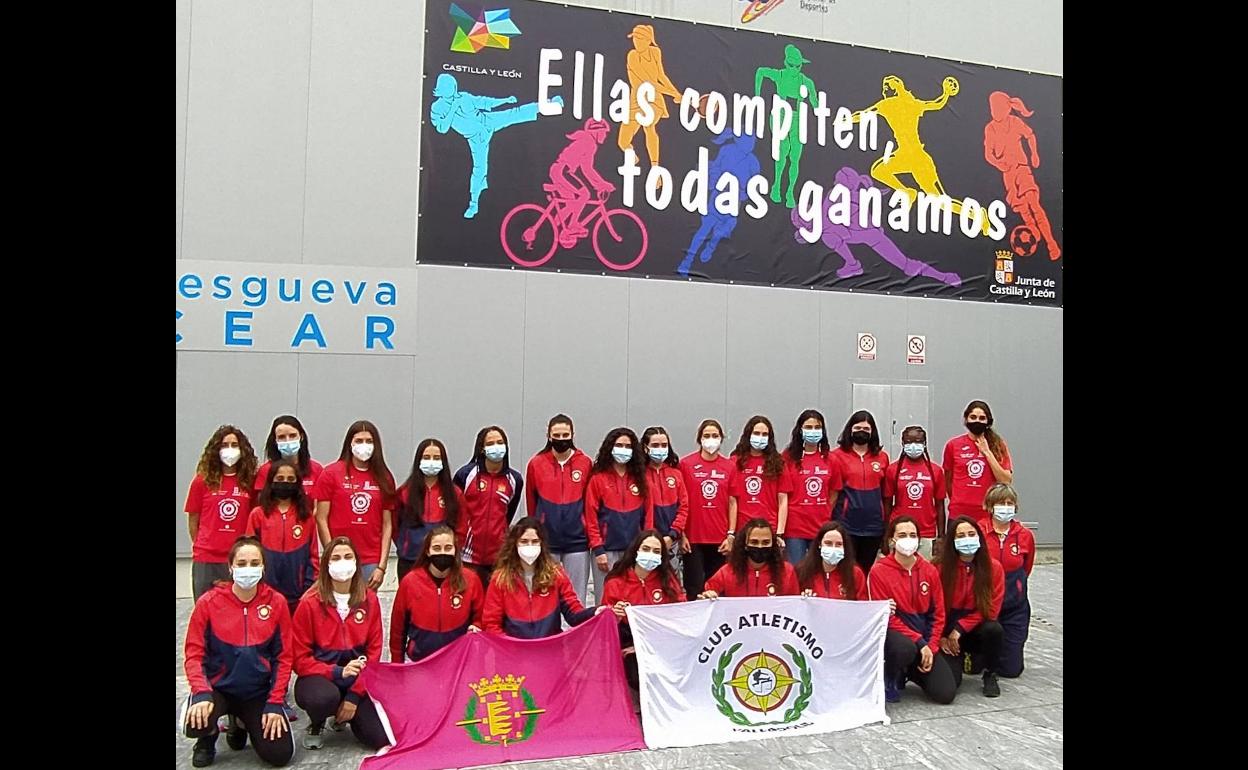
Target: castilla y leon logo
(755, 9)
(478, 28)
(763, 683)
(1005, 267)
(510, 713)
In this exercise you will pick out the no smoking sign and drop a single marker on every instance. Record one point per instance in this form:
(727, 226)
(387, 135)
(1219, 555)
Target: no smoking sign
(916, 349)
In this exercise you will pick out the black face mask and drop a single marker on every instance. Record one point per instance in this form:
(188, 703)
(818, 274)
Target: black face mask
(284, 490)
(977, 428)
(758, 555)
(860, 437)
(442, 561)
(561, 445)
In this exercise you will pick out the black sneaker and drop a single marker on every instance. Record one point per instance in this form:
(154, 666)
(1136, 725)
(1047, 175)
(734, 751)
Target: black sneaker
(313, 739)
(205, 751)
(236, 736)
(991, 688)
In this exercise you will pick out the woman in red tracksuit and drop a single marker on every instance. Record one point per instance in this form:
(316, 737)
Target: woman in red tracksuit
(492, 494)
(337, 633)
(217, 505)
(438, 601)
(282, 521)
(429, 497)
(643, 576)
(974, 586)
(617, 504)
(555, 484)
(1014, 546)
(529, 591)
(668, 496)
(829, 570)
(913, 486)
(911, 586)
(860, 505)
(238, 659)
(756, 566)
(708, 477)
(815, 480)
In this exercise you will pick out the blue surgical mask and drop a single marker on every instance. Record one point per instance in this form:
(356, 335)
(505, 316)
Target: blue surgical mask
(812, 435)
(913, 451)
(648, 561)
(247, 577)
(496, 452)
(658, 453)
(832, 554)
(966, 546)
(1003, 512)
(431, 467)
(288, 448)
(759, 442)
(622, 454)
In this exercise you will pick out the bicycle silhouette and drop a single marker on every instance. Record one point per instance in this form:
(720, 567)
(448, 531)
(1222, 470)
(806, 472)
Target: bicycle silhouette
(530, 233)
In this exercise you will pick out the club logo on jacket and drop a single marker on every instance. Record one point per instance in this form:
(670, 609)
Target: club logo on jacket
(633, 488)
(671, 482)
(576, 476)
(657, 596)
(456, 601)
(441, 502)
(481, 485)
(841, 590)
(359, 615)
(924, 588)
(875, 467)
(771, 589)
(1014, 549)
(296, 532)
(228, 509)
(264, 611)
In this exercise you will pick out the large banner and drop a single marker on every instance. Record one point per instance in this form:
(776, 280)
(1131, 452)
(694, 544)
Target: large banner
(574, 139)
(486, 699)
(739, 669)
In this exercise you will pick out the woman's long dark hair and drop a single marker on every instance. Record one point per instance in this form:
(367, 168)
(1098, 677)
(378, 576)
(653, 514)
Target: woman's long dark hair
(212, 469)
(995, 442)
(811, 565)
(376, 464)
(478, 448)
(797, 444)
(636, 464)
(325, 584)
(456, 574)
(557, 419)
(773, 463)
(268, 503)
(950, 562)
(739, 561)
(891, 529)
(509, 567)
(303, 458)
(629, 560)
(673, 459)
(847, 443)
(412, 512)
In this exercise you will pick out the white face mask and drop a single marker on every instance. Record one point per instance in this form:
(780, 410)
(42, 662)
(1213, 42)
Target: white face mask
(1003, 512)
(247, 577)
(342, 570)
(907, 546)
(362, 452)
(230, 456)
(529, 553)
(710, 445)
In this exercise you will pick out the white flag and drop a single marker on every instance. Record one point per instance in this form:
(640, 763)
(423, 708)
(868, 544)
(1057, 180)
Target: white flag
(745, 668)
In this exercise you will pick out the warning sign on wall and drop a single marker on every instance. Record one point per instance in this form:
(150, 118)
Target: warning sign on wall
(866, 346)
(916, 349)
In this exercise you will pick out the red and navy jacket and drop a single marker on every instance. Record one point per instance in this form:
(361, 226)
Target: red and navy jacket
(309, 477)
(1017, 554)
(829, 586)
(757, 582)
(427, 615)
(964, 614)
(516, 611)
(556, 497)
(860, 503)
(669, 498)
(490, 503)
(920, 614)
(643, 593)
(325, 642)
(241, 649)
(290, 550)
(615, 511)
(408, 537)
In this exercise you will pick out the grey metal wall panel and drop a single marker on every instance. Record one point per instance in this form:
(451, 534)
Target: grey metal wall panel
(182, 70)
(364, 132)
(246, 132)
